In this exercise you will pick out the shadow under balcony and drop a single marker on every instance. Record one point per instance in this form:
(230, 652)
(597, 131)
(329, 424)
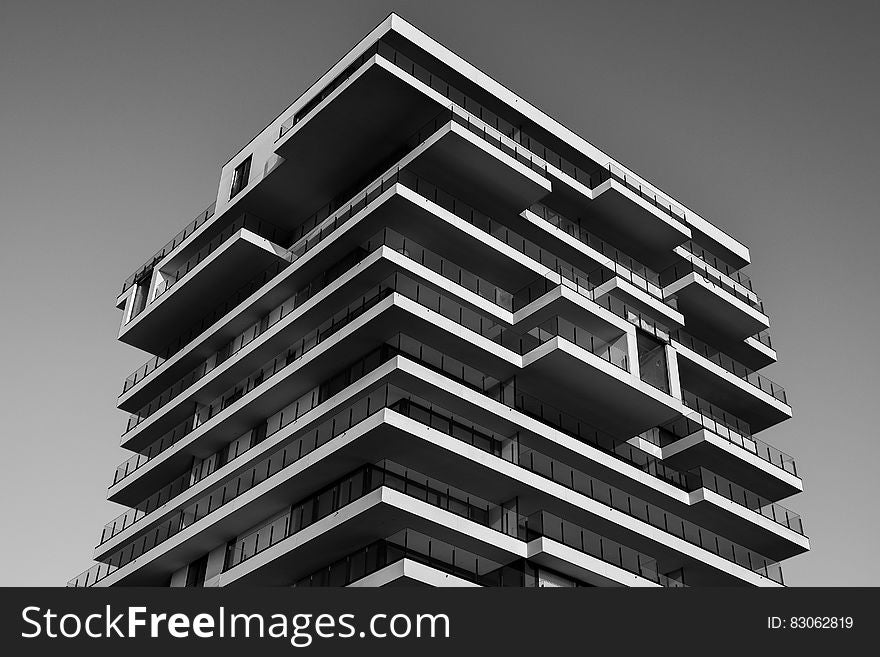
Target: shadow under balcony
(242, 255)
(730, 385)
(713, 306)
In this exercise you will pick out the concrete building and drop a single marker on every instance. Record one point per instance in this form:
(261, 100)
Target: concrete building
(428, 335)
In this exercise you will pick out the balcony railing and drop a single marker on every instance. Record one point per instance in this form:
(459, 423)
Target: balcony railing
(354, 486)
(651, 514)
(730, 365)
(515, 133)
(467, 566)
(385, 237)
(691, 480)
(321, 224)
(718, 264)
(424, 355)
(420, 353)
(440, 265)
(190, 334)
(293, 353)
(582, 431)
(188, 230)
(729, 427)
(362, 409)
(559, 327)
(384, 552)
(624, 266)
(311, 232)
(547, 525)
(421, 294)
(416, 547)
(576, 280)
(280, 528)
(486, 118)
(260, 327)
(246, 222)
(238, 448)
(764, 338)
(746, 498)
(390, 475)
(572, 277)
(697, 266)
(265, 468)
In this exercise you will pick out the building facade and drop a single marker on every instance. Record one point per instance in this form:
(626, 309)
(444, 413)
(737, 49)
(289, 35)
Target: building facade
(428, 335)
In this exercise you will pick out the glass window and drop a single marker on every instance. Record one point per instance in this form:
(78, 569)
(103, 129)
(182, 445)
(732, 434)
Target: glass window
(240, 177)
(195, 572)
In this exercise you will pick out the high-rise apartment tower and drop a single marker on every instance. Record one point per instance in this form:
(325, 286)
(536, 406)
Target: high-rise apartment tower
(426, 334)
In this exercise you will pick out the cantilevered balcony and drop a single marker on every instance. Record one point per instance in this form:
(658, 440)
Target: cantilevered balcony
(178, 239)
(394, 206)
(541, 464)
(542, 538)
(186, 290)
(617, 202)
(713, 437)
(739, 282)
(600, 560)
(620, 211)
(755, 352)
(353, 276)
(576, 242)
(428, 364)
(504, 351)
(369, 117)
(405, 451)
(435, 314)
(555, 365)
(411, 558)
(757, 522)
(713, 302)
(474, 163)
(608, 283)
(372, 565)
(627, 462)
(659, 217)
(614, 272)
(729, 384)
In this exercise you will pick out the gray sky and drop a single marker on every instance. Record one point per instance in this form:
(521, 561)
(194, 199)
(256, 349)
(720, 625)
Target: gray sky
(115, 118)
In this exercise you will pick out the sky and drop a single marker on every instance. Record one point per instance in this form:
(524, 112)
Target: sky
(115, 118)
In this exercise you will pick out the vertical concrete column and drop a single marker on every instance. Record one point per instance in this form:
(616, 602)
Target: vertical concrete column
(129, 306)
(178, 578)
(672, 367)
(632, 353)
(216, 561)
(155, 279)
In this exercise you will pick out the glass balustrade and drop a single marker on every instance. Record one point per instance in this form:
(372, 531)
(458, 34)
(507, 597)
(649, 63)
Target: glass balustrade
(727, 363)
